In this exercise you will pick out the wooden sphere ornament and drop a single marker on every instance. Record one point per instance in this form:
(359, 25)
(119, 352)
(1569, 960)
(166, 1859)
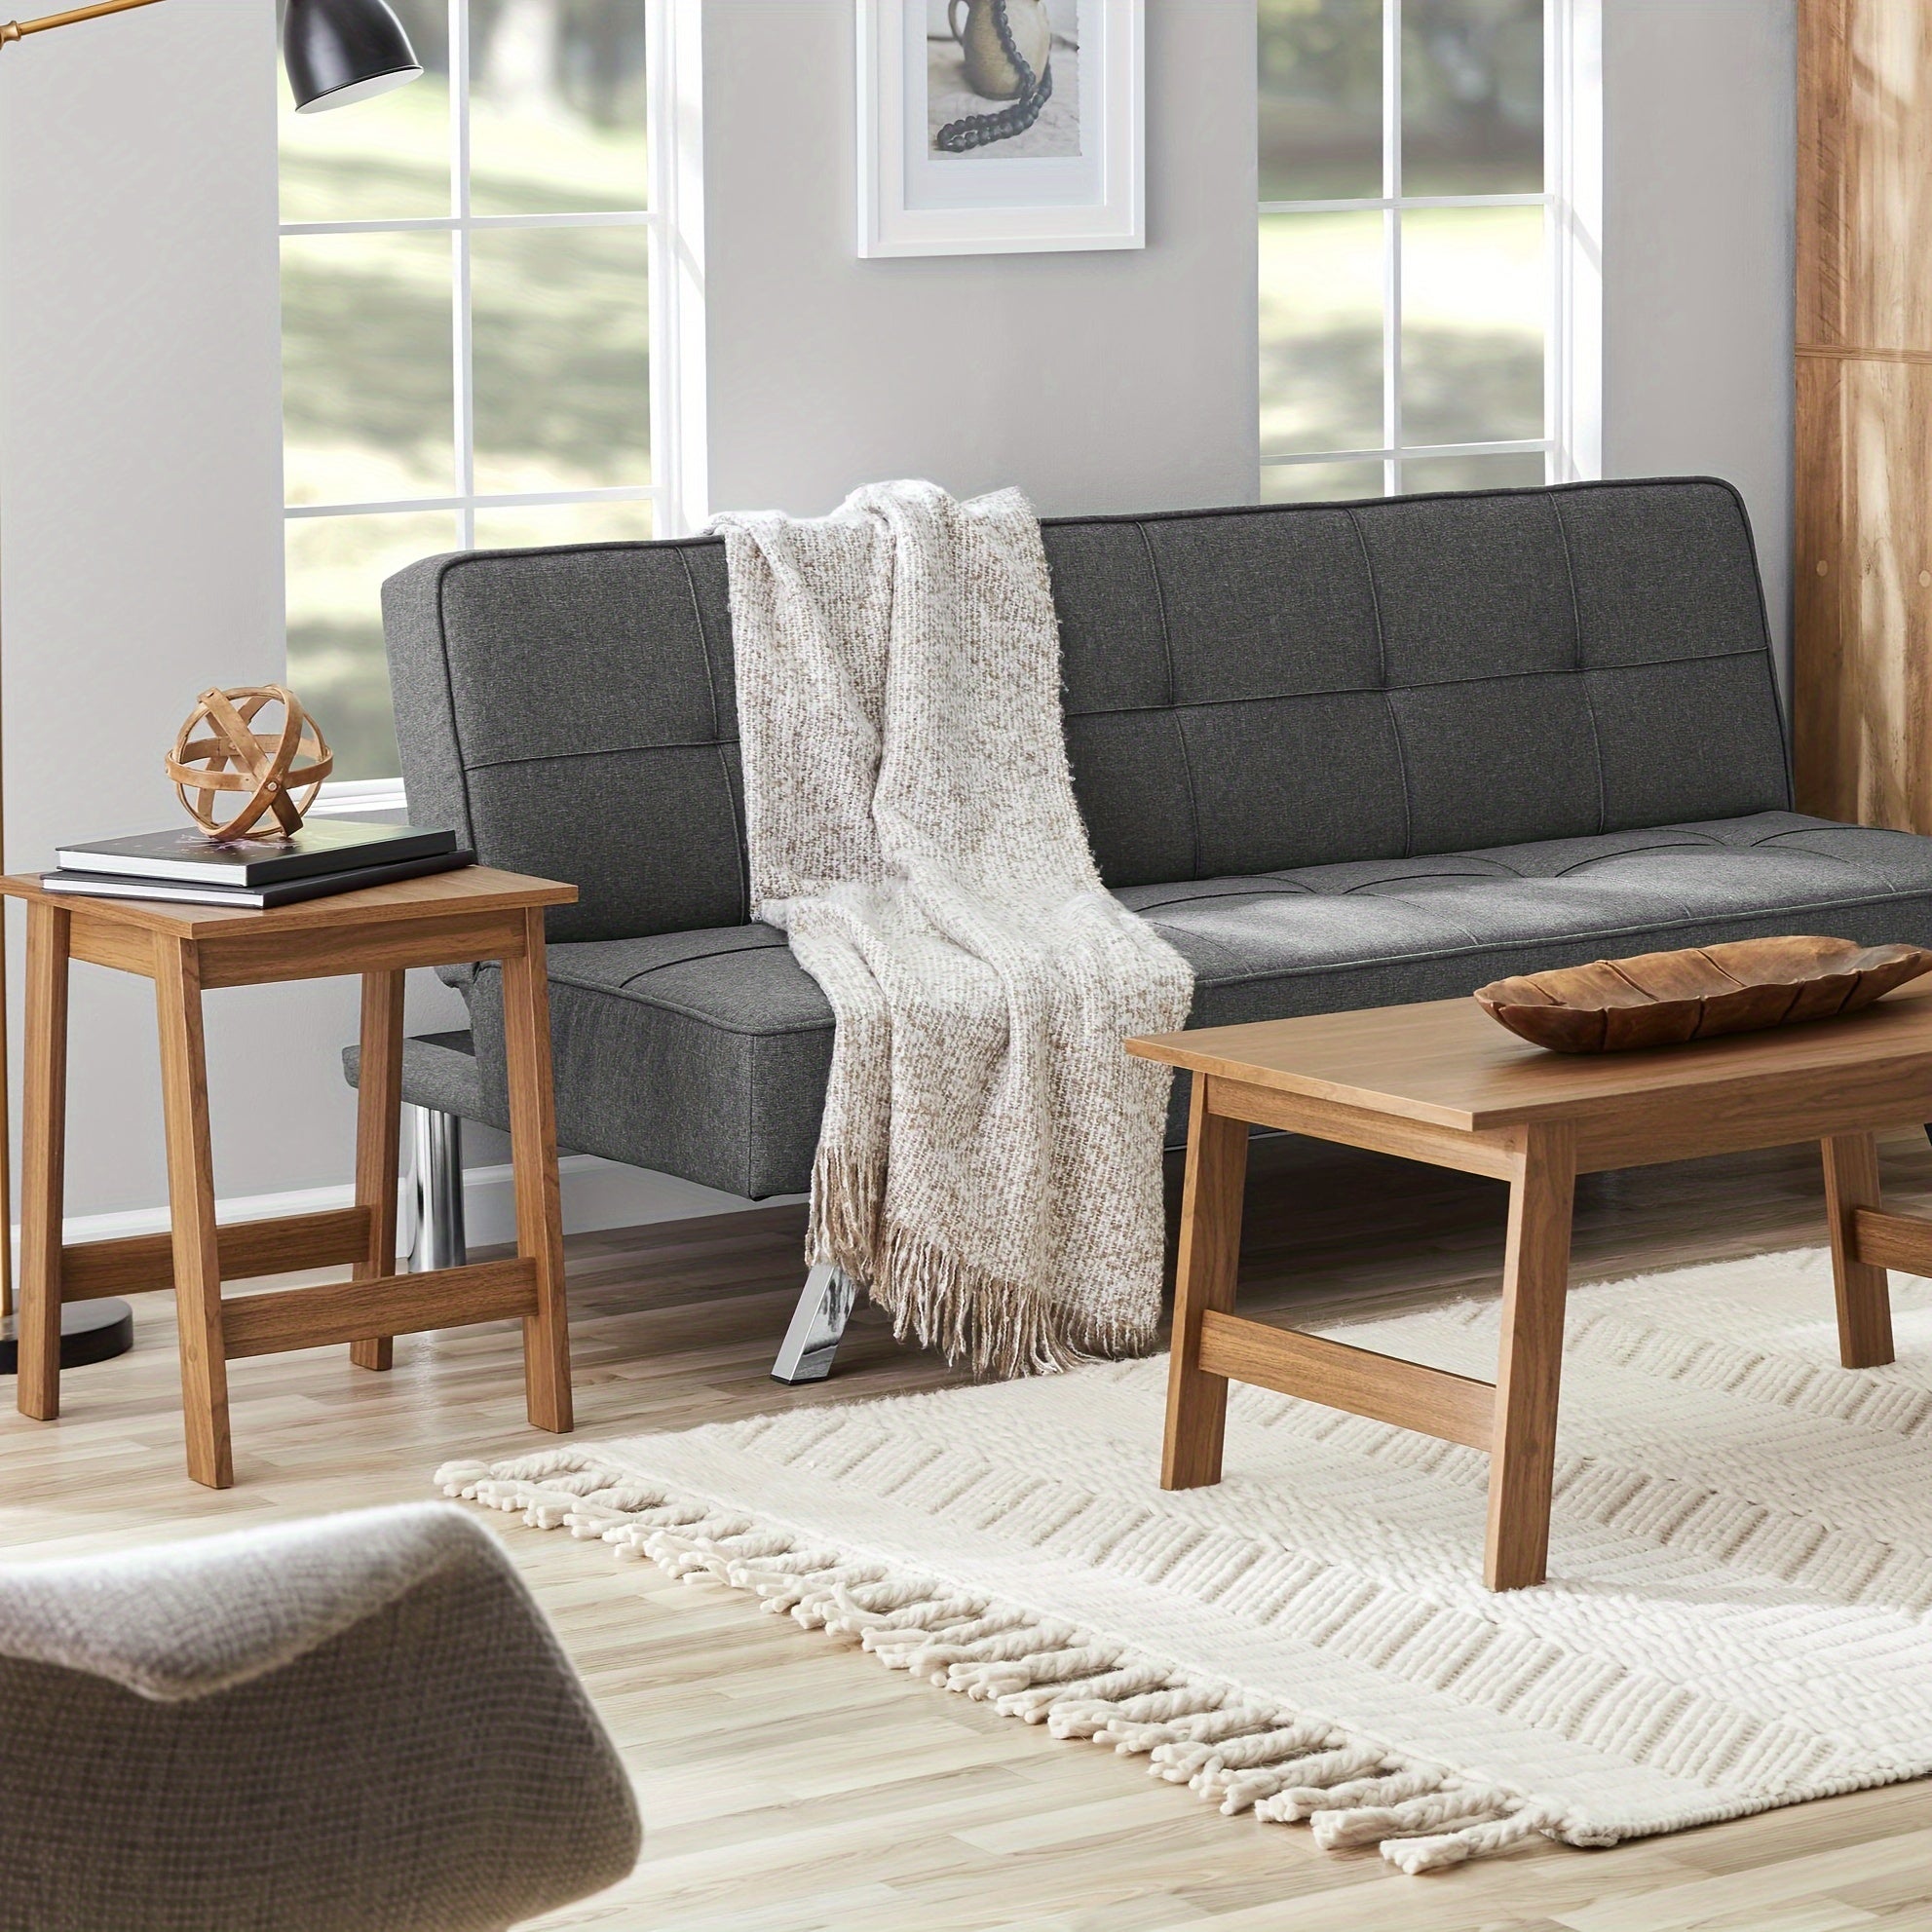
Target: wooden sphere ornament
(219, 751)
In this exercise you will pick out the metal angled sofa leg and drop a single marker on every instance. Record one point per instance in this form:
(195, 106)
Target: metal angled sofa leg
(825, 1305)
(436, 1176)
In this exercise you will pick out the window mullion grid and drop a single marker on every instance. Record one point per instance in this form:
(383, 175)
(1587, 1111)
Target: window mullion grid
(1392, 204)
(1502, 446)
(1392, 244)
(461, 337)
(1350, 205)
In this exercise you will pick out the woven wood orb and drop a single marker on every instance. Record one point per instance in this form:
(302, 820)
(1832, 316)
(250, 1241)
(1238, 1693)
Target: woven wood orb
(219, 753)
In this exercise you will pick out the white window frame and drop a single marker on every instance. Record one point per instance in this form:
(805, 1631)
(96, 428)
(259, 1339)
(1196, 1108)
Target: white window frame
(674, 220)
(1572, 443)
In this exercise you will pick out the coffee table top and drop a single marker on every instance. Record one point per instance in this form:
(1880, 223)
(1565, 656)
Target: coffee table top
(1448, 1063)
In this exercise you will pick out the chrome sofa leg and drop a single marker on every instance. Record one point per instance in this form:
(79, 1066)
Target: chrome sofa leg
(825, 1306)
(436, 1178)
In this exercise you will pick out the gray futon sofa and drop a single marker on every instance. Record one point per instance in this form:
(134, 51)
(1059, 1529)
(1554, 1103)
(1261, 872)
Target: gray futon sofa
(1339, 754)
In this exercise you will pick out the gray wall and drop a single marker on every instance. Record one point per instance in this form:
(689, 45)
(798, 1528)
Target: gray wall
(1700, 139)
(138, 416)
(1119, 379)
(140, 429)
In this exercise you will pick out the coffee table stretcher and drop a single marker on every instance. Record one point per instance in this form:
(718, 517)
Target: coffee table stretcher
(1514, 1417)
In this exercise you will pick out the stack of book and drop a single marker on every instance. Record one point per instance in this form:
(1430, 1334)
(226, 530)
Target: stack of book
(188, 867)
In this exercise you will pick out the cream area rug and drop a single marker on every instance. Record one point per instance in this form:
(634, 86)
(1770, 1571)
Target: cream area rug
(1739, 1611)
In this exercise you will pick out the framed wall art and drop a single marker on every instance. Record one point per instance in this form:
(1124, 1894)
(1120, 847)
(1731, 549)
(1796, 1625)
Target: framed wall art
(990, 126)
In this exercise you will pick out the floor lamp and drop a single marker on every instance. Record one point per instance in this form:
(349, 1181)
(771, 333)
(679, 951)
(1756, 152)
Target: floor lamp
(336, 52)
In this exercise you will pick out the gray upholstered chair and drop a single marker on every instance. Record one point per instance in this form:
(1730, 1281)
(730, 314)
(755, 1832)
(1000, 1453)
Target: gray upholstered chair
(338, 1725)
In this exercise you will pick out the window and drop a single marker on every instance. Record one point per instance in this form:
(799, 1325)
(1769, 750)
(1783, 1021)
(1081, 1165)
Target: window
(465, 274)
(1421, 321)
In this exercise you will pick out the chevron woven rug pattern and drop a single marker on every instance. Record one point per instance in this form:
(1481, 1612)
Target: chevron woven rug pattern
(1739, 1611)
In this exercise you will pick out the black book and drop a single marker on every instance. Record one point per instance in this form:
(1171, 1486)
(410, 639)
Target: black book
(284, 892)
(189, 856)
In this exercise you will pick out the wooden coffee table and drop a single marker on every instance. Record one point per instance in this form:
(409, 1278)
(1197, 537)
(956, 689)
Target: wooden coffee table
(1443, 1084)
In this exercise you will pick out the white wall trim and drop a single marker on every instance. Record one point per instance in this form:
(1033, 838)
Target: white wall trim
(597, 1193)
(1573, 172)
(359, 798)
(679, 389)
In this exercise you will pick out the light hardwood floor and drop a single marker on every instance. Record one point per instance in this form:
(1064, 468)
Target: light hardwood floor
(789, 1784)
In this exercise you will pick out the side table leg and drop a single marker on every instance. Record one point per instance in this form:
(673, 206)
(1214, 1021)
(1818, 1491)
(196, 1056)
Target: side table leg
(1536, 1284)
(1205, 1277)
(1864, 1293)
(177, 992)
(44, 1134)
(378, 1143)
(526, 1029)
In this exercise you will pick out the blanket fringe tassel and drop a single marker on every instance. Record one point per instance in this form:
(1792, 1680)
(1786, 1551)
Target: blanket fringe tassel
(1241, 1756)
(940, 1301)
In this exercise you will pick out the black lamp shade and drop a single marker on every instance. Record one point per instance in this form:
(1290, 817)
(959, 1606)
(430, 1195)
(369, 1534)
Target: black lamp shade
(342, 51)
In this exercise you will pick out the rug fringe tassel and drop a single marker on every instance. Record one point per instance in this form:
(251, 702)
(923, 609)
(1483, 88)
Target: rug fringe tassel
(1239, 1754)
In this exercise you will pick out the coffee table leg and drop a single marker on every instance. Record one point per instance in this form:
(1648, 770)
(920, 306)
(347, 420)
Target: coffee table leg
(1204, 1278)
(44, 1111)
(378, 1139)
(1536, 1280)
(526, 1031)
(1865, 1300)
(177, 987)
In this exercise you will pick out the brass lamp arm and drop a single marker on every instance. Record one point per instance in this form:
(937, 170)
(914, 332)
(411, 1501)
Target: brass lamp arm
(19, 29)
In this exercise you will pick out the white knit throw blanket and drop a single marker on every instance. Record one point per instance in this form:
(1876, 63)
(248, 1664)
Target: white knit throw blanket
(989, 1161)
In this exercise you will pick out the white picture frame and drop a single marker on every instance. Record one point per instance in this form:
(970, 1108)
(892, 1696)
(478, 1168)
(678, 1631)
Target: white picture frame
(1074, 179)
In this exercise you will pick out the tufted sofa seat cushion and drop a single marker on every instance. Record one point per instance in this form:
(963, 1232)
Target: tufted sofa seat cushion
(1377, 932)
(704, 1053)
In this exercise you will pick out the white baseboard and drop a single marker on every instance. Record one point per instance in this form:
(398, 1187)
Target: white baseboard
(597, 1193)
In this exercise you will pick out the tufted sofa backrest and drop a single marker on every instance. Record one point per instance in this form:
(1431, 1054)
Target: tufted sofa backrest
(1245, 689)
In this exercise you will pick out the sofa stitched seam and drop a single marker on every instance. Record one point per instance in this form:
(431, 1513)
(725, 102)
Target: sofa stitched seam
(1430, 684)
(1174, 706)
(449, 691)
(704, 644)
(703, 1018)
(1285, 891)
(1128, 710)
(740, 838)
(1550, 940)
(1604, 858)
(1687, 841)
(1811, 832)
(1278, 971)
(1388, 697)
(718, 738)
(661, 1004)
(601, 751)
(664, 965)
(1518, 877)
(1589, 691)
(1589, 933)
(1298, 892)
(750, 1113)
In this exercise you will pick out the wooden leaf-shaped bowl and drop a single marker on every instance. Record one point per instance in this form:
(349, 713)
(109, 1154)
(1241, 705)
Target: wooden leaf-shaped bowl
(1665, 999)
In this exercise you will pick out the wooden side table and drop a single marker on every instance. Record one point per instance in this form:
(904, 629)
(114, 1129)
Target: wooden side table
(474, 914)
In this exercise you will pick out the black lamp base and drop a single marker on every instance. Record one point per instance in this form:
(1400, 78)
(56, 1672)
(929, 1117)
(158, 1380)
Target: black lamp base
(90, 1332)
